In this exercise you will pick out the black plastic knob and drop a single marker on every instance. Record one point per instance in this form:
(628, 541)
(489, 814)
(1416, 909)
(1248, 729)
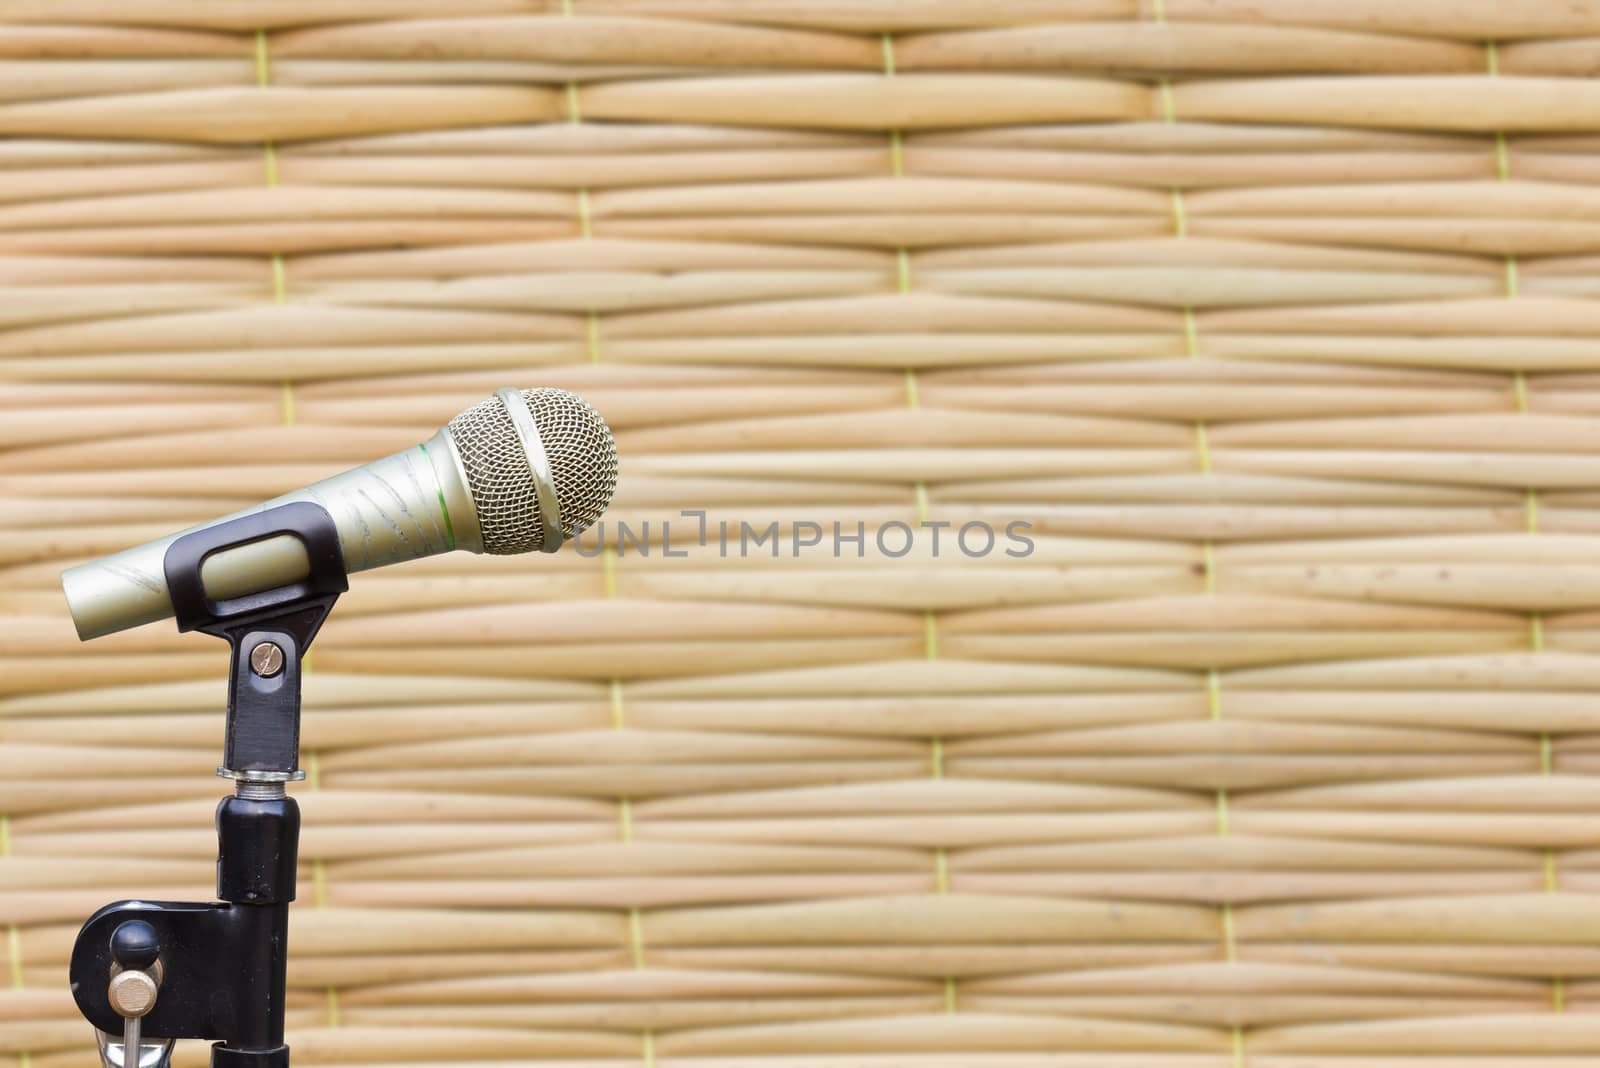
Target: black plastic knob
(135, 945)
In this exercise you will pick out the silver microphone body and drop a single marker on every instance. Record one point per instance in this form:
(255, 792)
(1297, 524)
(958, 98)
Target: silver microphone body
(417, 502)
(411, 504)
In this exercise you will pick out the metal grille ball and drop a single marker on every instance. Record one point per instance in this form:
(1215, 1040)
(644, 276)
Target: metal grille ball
(583, 467)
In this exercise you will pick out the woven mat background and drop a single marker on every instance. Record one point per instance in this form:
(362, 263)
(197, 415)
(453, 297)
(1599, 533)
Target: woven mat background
(1277, 322)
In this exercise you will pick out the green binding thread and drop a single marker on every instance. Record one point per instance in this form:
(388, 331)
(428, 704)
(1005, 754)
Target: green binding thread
(449, 530)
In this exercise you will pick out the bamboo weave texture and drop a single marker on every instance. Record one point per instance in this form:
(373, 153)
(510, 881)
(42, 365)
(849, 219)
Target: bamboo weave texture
(1278, 322)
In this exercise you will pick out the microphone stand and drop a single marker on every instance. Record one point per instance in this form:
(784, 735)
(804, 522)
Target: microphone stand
(146, 973)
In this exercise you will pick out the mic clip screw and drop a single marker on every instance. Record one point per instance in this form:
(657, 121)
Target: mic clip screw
(266, 659)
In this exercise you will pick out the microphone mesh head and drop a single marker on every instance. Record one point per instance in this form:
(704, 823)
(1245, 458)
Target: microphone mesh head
(583, 467)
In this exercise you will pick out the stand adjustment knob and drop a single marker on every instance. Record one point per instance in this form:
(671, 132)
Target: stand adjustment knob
(132, 994)
(135, 982)
(135, 945)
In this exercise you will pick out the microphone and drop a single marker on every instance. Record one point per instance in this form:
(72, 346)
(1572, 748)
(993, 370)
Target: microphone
(520, 472)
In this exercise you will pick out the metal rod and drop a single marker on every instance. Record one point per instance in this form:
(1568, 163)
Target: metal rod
(131, 1038)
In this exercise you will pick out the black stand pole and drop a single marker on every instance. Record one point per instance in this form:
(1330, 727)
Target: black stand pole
(217, 970)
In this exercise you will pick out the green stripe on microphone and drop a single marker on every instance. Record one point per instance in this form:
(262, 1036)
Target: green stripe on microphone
(449, 530)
